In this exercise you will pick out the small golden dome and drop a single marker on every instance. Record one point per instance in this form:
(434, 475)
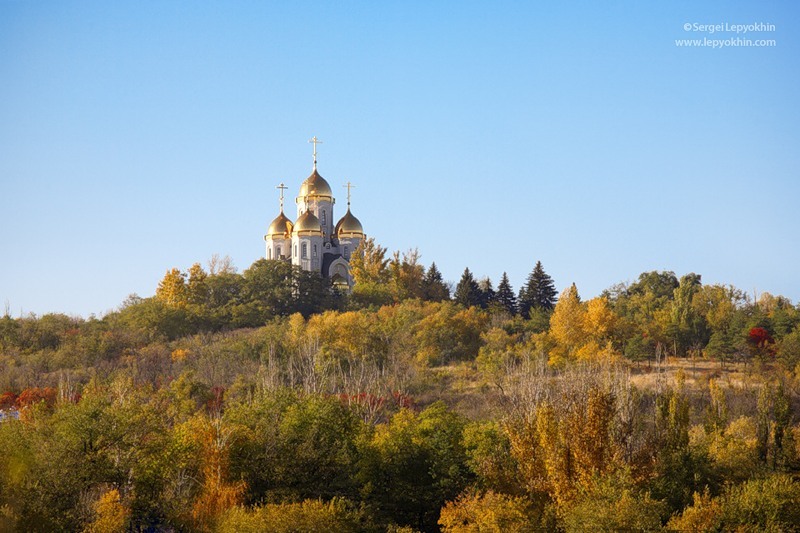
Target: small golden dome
(315, 185)
(349, 226)
(281, 227)
(308, 224)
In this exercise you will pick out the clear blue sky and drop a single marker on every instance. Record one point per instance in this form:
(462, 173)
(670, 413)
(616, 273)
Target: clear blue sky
(140, 136)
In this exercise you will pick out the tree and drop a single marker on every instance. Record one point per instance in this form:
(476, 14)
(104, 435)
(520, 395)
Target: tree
(567, 325)
(220, 265)
(488, 512)
(487, 293)
(406, 275)
(172, 289)
(196, 288)
(505, 296)
(688, 327)
(413, 464)
(539, 292)
(368, 264)
(467, 291)
(434, 289)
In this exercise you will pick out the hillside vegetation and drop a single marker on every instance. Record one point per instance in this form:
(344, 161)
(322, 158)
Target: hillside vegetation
(267, 401)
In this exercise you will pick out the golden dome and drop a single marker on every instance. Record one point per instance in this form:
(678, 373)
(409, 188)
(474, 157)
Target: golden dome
(315, 185)
(349, 226)
(308, 224)
(280, 227)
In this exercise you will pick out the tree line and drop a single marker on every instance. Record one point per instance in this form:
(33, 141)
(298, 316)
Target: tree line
(268, 401)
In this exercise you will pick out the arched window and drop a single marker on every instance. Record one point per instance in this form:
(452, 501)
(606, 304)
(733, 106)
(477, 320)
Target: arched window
(278, 253)
(305, 250)
(323, 217)
(315, 250)
(295, 250)
(347, 252)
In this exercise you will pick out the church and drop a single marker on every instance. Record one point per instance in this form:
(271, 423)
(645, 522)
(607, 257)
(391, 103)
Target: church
(312, 241)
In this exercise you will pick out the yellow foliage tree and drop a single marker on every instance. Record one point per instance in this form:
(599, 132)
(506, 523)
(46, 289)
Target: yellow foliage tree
(172, 289)
(568, 323)
(217, 494)
(600, 320)
(368, 264)
(111, 514)
(488, 512)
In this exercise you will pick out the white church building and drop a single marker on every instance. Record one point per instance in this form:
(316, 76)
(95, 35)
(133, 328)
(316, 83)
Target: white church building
(312, 241)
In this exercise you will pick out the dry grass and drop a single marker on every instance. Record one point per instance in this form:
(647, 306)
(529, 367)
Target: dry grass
(696, 374)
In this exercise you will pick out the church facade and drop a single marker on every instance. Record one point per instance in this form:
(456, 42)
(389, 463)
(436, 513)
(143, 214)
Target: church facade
(312, 241)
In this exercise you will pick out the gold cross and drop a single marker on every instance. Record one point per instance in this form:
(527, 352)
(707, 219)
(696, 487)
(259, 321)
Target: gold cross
(349, 186)
(315, 141)
(282, 187)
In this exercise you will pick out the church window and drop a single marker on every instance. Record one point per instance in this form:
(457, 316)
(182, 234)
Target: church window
(295, 250)
(323, 217)
(278, 252)
(315, 250)
(270, 254)
(305, 250)
(347, 251)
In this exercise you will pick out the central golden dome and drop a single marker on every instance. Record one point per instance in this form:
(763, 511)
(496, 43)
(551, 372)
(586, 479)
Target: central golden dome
(315, 185)
(308, 224)
(280, 227)
(349, 226)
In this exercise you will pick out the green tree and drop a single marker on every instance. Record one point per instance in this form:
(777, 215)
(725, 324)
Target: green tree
(434, 288)
(467, 293)
(488, 296)
(412, 465)
(539, 292)
(688, 328)
(505, 296)
(196, 288)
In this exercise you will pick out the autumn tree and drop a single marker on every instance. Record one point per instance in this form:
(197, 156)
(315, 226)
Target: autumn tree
(567, 325)
(368, 264)
(172, 289)
(489, 511)
(406, 275)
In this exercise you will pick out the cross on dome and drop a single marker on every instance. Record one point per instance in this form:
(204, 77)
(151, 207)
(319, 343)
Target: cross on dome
(315, 142)
(282, 187)
(349, 186)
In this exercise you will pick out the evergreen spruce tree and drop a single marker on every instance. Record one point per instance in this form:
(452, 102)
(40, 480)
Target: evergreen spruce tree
(487, 294)
(539, 292)
(467, 292)
(505, 295)
(434, 289)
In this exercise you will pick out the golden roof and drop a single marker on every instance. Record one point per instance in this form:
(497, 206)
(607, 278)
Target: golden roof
(349, 226)
(308, 223)
(280, 227)
(315, 185)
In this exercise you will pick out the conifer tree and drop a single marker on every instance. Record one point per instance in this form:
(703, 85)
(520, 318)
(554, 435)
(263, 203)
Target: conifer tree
(488, 296)
(467, 292)
(505, 295)
(434, 288)
(539, 292)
